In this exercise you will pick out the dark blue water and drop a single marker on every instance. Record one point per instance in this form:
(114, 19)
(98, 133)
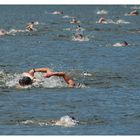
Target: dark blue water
(107, 103)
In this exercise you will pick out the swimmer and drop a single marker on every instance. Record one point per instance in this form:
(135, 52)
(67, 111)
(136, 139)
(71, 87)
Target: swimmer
(78, 36)
(65, 121)
(74, 21)
(133, 13)
(79, 29)
(29, 26)
(102, 20)
(2, 32)
(57, 13)
(28, 77)
(121, 44)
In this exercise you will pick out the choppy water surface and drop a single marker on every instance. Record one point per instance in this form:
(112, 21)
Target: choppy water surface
(108, 100)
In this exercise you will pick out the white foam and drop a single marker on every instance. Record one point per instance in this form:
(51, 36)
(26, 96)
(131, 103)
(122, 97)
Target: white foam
(119, 45)
(66, 121)
(85, 38)
(27, 122)
(11, 80)
(14, 31)
(87, 74)
(121, 21)
(51, 82)
(66, 16)
(33, 122)
(110, 21)
(102, 12)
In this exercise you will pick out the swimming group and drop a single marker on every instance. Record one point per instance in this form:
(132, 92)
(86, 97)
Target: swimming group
(78, 36)
(28, 78)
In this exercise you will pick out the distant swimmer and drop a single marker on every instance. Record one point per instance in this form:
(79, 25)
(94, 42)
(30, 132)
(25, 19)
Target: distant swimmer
(78, 36)
(30, 26)
(28, 77)
(121, 44)
(57, 13)
(2, 32)
(65, 121)
(102, 20)
(133, 13)
(79, 29)
(74, 21)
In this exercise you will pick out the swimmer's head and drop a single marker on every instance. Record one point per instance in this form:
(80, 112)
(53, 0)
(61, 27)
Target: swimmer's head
(32, 22)
(25, 81)
(79, 36)
(125, 43)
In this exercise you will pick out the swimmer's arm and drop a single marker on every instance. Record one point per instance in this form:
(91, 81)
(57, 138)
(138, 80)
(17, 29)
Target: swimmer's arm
(67, 79)
(44, 70)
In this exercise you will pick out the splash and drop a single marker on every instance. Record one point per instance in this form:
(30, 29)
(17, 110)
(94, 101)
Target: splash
(14, 31)
(120, 21)
(52, 82)
(64, 121)
(102, 12)
(10, 80)
(84, 38)
(110, 21)
(66, 16)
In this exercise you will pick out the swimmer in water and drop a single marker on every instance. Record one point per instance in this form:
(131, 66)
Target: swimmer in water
(29, 26)
(102, 20)
(57, 13)
(78, 36)
(28, 77)
(74, 21)
(133, 13)
(2, 32)
(121, 44)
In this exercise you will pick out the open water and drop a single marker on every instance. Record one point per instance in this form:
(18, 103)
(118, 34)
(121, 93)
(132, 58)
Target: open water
(108, 100)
